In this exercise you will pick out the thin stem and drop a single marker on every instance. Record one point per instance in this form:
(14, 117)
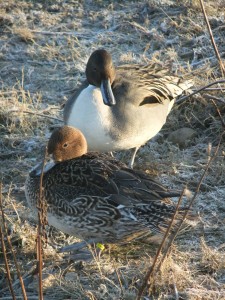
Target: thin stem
(5, 256)
(191, 203)
(199, 90)
(212, 38)
(218, 111)
(152, 268)
(41, 225)
(35, 113)
(10, 246)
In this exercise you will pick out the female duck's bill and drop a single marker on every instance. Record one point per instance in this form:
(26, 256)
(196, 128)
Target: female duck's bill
(95, 197)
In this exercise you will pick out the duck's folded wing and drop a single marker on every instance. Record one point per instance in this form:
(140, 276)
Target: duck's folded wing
(154, 81)
(138, 185)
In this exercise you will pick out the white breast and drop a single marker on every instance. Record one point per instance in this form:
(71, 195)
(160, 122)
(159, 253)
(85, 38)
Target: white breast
(92, 117)
(96, 121)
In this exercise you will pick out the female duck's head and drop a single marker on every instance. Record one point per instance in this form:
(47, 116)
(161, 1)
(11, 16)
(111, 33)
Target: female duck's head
(66, 143)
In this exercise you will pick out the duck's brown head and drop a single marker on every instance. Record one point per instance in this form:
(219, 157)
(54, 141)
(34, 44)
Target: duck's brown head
(66, 143)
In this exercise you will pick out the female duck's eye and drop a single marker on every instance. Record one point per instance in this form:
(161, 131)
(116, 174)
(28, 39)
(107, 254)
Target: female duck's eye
(94, 69)
(65, 145)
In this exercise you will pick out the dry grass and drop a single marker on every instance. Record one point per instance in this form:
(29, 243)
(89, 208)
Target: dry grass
(24, 34)
(44, 47)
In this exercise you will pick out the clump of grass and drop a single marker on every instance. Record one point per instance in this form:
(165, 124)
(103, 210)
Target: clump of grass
(212, 259)
(5, 20)
(24, 33)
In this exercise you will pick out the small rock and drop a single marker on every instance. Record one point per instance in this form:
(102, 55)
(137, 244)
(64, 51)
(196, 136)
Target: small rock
(182, 136)
(164, 27)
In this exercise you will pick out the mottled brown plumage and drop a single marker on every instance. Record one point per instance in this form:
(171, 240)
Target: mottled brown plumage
(94, 196)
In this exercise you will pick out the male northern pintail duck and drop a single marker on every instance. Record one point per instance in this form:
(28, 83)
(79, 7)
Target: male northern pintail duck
(94, 196)
(126, 106)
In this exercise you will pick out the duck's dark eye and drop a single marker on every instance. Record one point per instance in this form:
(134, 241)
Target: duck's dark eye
(94, 69)
(65, 145)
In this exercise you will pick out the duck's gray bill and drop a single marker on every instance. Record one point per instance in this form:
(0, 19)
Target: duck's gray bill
(107, 94)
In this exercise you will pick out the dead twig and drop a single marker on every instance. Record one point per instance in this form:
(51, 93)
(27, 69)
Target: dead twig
(6, 265)
(216, 89)
(10, 93)
(118, 277)
(62, 33)
(5, 256)
(139, 28)
(11, 248)
(202, 89)
(208, 96)
(173, 236)
(219, 113)
(9, 298)
(41, 229)
(35, 113)
(152, 268)
(212, 38)
(28, 275)
(175, 289)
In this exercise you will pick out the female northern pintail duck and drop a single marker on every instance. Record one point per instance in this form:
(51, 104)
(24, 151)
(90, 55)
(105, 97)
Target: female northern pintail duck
(126, 106)
(95, 197)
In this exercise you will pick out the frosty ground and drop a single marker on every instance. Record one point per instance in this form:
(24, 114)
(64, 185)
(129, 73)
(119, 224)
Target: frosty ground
(44, 48)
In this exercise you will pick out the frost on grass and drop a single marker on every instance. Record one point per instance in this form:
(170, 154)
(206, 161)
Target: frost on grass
(44, 47)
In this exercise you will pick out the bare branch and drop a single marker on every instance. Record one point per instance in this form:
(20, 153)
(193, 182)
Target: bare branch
(190, 204)
(202, 89)
(35, 113)
(152, 268)
(11, 248)
(5, 256)
(212, 38)
(218, 111)
(41, 228)
(208, 96)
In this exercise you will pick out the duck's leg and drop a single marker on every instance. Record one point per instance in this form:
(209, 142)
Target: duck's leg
(84, 255)
(74, 247)
(131, 164)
